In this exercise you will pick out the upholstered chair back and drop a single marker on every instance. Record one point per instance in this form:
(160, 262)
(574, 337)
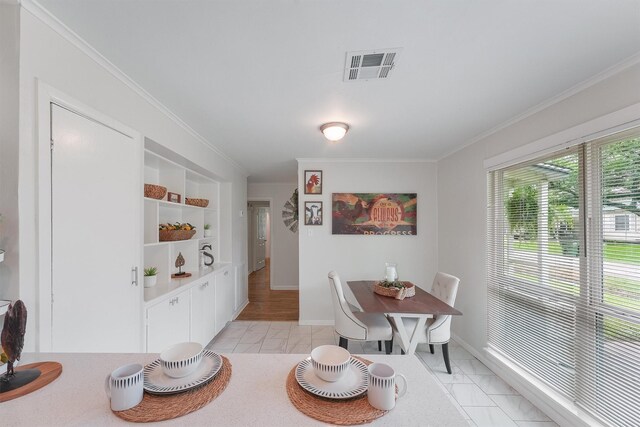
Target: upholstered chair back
(445, 288)
(346, 324)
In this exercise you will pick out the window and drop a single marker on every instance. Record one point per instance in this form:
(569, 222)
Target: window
(563, 293)
(622, 222)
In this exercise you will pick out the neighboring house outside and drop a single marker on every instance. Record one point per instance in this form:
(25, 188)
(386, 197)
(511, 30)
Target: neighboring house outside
(620, 225)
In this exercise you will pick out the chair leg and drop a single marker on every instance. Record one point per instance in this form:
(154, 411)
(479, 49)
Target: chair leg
(344, 343)
(445, 353)
(431, 349)
(379, 345)
(388, 346)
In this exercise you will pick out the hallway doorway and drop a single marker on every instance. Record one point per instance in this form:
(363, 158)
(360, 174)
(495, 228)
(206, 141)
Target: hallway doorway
(267, 304)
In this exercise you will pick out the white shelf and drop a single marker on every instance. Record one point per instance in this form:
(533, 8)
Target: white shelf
(165, 289)
(188, 183)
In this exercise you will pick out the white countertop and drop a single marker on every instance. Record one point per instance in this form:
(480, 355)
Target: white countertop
(164, 290)
(256, 395)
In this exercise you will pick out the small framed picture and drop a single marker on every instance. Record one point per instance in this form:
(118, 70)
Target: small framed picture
(174, 197)
(312, 182)
(312, 213)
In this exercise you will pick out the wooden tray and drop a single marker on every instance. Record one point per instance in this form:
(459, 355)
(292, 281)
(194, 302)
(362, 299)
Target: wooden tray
(49, 371)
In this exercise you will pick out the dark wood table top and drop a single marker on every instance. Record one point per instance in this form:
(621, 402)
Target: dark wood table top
(422, 303)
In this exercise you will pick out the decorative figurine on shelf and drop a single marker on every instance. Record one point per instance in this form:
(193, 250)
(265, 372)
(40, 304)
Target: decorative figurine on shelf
(179, 264)
(12, 338)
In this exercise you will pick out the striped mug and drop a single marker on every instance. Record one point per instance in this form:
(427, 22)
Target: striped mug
(124, 387)
(382, 386)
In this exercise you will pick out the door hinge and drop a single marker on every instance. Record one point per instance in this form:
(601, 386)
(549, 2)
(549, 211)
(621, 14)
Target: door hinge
(51, 144)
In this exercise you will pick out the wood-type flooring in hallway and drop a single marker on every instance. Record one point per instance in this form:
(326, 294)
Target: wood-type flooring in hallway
(266, 304)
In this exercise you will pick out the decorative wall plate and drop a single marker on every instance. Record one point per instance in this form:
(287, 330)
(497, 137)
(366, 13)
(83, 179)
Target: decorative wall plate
(157, 382)
(353, 384)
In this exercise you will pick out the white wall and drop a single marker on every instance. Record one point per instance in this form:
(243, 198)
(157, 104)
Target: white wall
(9, 100)
(284, 243)
(462, 190)
(47, 56)
(363, 257)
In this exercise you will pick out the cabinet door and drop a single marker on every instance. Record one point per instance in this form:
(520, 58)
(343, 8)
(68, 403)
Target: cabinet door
(224, 298)
(241, 287)
(95, 184)
(203, 312)
(168, 323)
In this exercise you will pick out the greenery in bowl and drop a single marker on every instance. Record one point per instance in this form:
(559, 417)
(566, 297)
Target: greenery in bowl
(393, 284)
(207, 226)
(151, 271)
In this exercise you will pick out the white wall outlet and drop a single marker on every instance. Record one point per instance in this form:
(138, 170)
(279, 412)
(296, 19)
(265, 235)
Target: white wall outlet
(310, 232)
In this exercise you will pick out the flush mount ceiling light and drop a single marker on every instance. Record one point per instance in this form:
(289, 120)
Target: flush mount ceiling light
(334, 131)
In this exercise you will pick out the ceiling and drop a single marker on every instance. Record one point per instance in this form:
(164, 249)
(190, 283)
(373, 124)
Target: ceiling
(258, 78)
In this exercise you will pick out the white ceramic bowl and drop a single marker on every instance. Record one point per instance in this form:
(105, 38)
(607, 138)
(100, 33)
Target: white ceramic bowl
(181, 359)
(330, 362)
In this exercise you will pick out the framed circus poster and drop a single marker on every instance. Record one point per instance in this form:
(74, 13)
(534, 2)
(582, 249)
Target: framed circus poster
(374, 213)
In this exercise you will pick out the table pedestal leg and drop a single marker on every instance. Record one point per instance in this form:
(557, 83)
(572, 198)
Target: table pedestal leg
(408, 343)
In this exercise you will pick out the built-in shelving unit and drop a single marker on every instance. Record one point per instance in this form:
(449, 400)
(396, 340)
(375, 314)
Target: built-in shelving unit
(186, 183)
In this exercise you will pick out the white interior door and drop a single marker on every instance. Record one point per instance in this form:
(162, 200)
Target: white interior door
(260, 236)
(96, 237)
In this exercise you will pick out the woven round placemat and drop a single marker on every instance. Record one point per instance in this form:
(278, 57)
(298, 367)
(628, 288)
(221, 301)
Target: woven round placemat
(156, 407)
(341, 412)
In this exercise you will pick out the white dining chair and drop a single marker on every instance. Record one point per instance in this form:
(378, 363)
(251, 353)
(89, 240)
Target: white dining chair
(437, 329)
(357, 325)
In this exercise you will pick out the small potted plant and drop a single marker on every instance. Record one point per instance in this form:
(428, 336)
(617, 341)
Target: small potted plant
(207, 230)
(150, 277)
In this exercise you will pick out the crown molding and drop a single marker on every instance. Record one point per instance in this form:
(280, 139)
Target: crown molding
(591, 81)
(38, 11)
(363, 160)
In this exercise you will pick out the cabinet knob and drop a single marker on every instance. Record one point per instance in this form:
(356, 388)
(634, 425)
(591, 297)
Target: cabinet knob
(226, 273)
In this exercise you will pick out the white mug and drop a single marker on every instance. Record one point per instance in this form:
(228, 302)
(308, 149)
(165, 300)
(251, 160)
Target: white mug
(382, 386)
(124, 386)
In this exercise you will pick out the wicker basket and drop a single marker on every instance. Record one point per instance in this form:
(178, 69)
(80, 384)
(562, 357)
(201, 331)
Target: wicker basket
(201, 203)
(393, 292)
(154, 191)
(174, 235)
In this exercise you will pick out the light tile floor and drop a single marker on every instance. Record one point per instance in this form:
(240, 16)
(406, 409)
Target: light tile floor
(481, 396)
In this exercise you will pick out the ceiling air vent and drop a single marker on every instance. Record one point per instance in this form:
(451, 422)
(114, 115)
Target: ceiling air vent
(370, 64)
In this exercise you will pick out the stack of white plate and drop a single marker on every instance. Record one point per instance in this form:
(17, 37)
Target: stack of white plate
(348, 377)
(181, 367)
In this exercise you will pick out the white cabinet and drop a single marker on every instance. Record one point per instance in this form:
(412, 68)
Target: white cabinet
(168, 323)
(241, 294)
(95, 242)
(225, 295)
(203, 311)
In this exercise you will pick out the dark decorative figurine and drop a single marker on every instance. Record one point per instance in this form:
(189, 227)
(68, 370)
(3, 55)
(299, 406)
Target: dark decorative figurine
(15, 325)
(179, 263)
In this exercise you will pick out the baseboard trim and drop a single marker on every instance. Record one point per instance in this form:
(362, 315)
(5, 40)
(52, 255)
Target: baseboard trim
(242, 307)
(557, 407)
(315, 322)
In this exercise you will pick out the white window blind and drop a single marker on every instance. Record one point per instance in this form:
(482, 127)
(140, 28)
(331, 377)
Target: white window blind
(563, 280)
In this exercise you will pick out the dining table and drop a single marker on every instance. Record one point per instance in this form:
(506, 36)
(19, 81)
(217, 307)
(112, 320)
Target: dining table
(422, 306)
(255, 396)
